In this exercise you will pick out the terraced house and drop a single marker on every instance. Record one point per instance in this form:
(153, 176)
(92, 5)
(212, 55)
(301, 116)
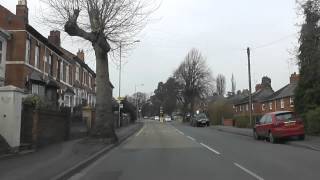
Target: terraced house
(30, 61)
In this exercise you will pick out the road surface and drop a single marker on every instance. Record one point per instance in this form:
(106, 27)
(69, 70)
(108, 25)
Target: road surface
(174, 151)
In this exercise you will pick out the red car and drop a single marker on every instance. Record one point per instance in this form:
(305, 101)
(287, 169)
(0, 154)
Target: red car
(277, 125)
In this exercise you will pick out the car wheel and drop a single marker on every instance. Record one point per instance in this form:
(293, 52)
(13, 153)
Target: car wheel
(272, 139)
(255, 135)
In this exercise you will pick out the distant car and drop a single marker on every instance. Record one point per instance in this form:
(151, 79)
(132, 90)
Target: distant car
(168, 119)
(199, 120)
(145, 117)
(278, 125)
(156, 118)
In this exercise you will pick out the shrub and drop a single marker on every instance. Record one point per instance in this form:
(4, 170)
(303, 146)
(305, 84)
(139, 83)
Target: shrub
(33, 100)
(312, 121)
(244, 121)
(219, 110)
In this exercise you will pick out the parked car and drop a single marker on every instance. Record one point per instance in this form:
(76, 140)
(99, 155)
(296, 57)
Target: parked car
(156, 118)
(200, 120)
(168, 119)
(145, 117)
(279, 125)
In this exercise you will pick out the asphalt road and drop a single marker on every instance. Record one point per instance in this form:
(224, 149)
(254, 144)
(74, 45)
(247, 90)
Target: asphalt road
(176, 151)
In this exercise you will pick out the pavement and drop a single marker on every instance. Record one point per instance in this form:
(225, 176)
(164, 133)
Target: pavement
(174, 151)
(58, 160)
(310, 142)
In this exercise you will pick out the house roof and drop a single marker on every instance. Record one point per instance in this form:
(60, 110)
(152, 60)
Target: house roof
(44, 40)
(286, 91)
(257, 96)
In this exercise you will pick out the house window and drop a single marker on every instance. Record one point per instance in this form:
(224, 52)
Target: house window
(28, 50)
(67, 74)
(90, 82)
(67, 101)
(263, 107)
(83, 77)
(247, 107)
(240, 108)
(50, 64)
(37, 57)
(61, 70)
(37, 89)
(270, 105)
(291, 102)
(252, 107)
(282, 103)
(1, 51)
(77, 73)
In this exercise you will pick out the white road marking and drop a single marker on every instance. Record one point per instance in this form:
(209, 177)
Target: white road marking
(209, 148)
(140, 131)
(248, 171)
(180, 132)
(191, 138)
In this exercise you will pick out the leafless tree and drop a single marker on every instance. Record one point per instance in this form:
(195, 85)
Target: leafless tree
(106, 24)
(233, 85)
(195, 78)
(221, 84)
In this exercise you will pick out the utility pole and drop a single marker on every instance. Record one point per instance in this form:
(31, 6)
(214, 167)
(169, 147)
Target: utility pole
(119, 98)
(250, 95)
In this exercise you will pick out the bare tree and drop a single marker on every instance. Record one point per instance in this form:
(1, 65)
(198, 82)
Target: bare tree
(233, 85)
(195, 79)
(221, 84)
(106, 24)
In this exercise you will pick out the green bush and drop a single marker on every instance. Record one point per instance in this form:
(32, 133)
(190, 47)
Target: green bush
(33, 100)
(312, 121)
(244, 121)
(219, 110)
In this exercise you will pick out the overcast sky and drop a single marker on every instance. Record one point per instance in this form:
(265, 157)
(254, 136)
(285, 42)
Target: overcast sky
(221, 30)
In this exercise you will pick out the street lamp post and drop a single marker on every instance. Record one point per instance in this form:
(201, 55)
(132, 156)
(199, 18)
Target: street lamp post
(120, 65)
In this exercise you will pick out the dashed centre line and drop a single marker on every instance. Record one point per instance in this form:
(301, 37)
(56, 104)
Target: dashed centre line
(140, 131)
(191, 138)
(209, 148)
(248, 171)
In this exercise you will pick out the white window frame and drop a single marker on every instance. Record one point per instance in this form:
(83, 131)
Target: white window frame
(247, 107)
(28, 51)
(77, 73)
(1, 50)
(263, 107)
(37, 56)
(90, 81)
(67, 74)
(270, 105)
(50, 64)
(35, 89)
(291, 102)
(61, 70)
(282, 103)
(240, 108)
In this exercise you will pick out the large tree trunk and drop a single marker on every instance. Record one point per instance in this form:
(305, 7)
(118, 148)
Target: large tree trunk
(104, 124)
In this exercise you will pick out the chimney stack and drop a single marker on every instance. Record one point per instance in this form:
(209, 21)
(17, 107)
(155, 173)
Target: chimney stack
(258, 87)
(22, 10)
(54, 38)
(294, 78)
(80, 54)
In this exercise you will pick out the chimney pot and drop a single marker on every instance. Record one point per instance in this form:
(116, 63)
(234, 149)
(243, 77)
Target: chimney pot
(80, 54)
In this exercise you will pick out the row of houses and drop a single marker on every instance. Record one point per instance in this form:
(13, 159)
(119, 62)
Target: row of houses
(32, 62)
(265, 99)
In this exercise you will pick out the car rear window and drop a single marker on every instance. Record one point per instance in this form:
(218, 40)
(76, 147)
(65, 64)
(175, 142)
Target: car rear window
(285, 116)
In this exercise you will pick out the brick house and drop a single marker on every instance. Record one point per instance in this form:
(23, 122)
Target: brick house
(34, 62)
(262, 91)
(283, 99)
